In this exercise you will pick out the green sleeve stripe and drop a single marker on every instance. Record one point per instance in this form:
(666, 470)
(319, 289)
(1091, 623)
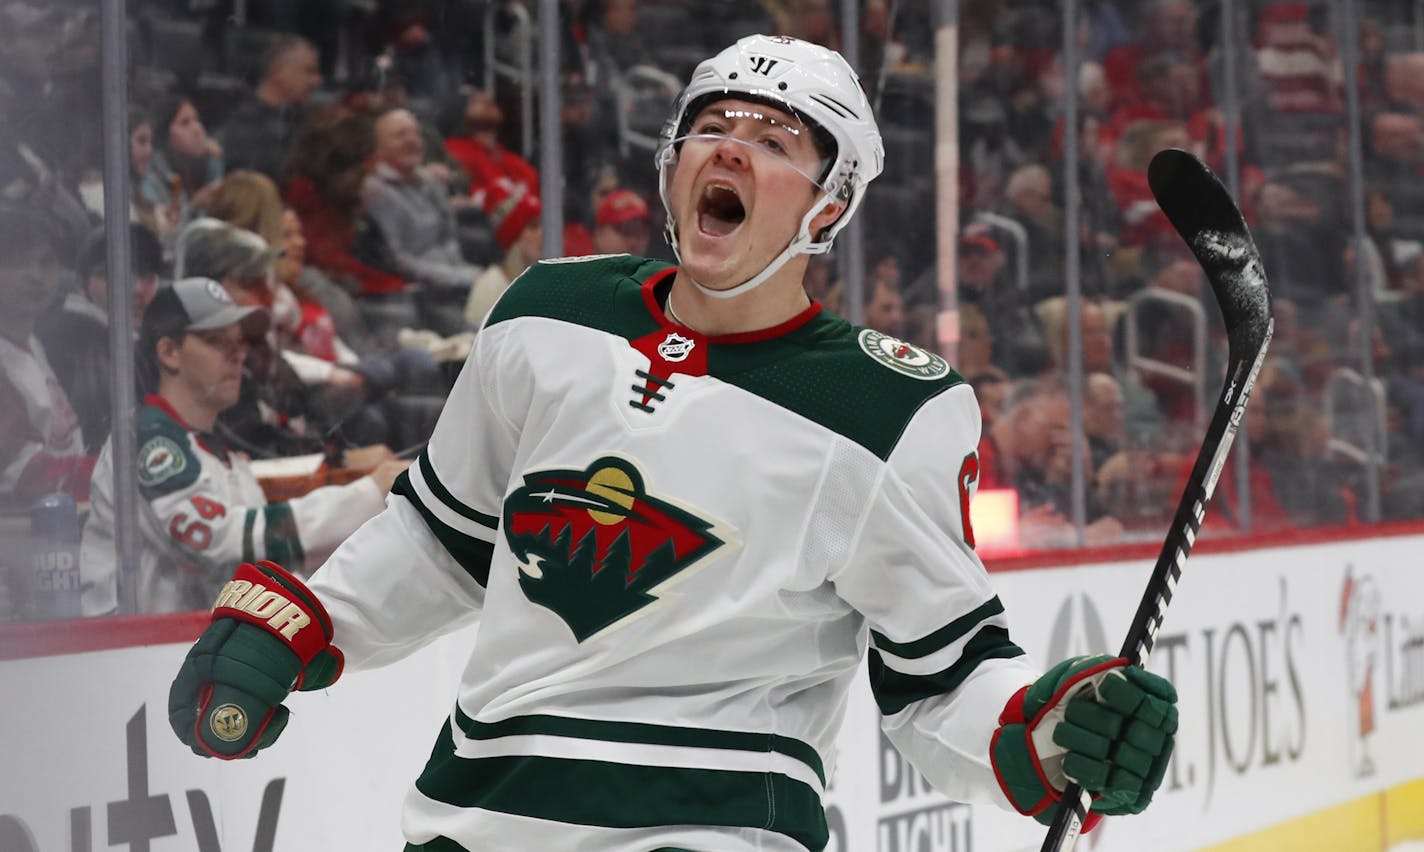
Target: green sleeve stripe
(472, 554)
(643, 733)
(895, 691)
(249, 553)
(281, 542)
(950, 633)
(619, 795)
(427, 470)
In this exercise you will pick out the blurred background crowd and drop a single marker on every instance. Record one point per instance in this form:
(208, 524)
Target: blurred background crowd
(367, 171)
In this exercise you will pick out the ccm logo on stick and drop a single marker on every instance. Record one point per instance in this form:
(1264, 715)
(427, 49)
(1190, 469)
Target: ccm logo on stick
(258, 601)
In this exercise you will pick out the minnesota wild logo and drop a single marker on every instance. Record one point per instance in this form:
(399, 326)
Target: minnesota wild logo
(902, 357)
(595, 547)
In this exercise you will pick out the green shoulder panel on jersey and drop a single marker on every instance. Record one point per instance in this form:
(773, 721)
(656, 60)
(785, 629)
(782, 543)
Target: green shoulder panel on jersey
(601, 292)
(857, 382)
(166, 462)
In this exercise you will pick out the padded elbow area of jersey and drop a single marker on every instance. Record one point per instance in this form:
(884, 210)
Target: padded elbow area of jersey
(1093, 720)
(268, 636)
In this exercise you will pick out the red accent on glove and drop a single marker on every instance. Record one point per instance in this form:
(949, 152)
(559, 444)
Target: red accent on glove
(1013, 713)
(273, 599)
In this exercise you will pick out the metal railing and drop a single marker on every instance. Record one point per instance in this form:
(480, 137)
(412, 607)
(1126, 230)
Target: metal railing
(520, 72)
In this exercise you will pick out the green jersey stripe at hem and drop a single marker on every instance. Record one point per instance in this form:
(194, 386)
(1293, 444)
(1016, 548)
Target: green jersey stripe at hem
(445, 844)
(617, 795)
(948, 634)
(443, 494)
(472, 554)
(642, 733)
(894, 691)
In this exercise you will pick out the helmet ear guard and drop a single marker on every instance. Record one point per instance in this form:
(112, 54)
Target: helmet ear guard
(813, 84)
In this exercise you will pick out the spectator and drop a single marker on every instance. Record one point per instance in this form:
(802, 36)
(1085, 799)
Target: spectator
(1104, 420)
(515, 214)
(355, 380)
(329, 163)
(991, 389)
(250, 201)
(1304, 478)
(1169, 28)
(1297, 62)
(207, 508)
(413, 212)
(976, 342)
(1267, 516)
(41, 445)
(1029, 197)
(1043, 474)
(387, 92)
(186, 167)
(821, 284)
(273, 415)
(1144, 225)
(1303, 250)
(614, 44)
(1020, 348)
(581, 210)
(1144, 414)
(140, 167)
(475, 145)
(1170, 91)
(809, 20)
(259, 130)
(623, 224)
(1395, 160)
(78, 333)
(28, 179)
(884, 307)
(410, 53)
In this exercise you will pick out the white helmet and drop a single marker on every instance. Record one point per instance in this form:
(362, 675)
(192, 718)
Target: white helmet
(809, 81)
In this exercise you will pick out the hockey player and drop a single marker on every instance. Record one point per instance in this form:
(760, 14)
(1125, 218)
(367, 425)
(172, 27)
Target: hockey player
(203, 508)
(679, 502)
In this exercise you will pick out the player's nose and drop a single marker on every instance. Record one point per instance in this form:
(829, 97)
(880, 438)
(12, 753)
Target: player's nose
(731, 152)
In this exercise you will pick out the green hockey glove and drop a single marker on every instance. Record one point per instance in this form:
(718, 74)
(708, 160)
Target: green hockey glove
(1094, 720)
(268, 636)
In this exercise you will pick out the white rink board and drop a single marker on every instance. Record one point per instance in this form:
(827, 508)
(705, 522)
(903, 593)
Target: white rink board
(1269, 652)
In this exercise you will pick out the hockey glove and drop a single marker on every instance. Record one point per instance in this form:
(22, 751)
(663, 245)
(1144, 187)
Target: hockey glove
(1095, 720)
(269, 635)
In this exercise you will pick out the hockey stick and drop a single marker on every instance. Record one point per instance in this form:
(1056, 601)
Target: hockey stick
(1203, 213)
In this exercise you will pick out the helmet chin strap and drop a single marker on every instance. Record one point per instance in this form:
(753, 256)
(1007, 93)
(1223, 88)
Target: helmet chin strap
(802, 243)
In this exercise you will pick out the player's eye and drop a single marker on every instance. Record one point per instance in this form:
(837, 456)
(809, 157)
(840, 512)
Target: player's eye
(773, 144)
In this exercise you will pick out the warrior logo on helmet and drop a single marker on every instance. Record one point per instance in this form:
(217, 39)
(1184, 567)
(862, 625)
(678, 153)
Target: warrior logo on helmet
(594, 547)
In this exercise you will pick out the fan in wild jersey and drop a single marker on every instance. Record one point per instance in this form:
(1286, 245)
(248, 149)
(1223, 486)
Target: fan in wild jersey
(679, 502)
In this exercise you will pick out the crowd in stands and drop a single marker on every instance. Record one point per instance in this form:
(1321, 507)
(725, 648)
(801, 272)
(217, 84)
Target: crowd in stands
(360, 172)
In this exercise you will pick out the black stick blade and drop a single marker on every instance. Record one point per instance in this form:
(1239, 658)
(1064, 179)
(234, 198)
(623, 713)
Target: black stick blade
(1202, 211)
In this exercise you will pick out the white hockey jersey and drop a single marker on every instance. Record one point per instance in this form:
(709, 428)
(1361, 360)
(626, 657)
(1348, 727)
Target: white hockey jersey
(202, 514)
(677, 549)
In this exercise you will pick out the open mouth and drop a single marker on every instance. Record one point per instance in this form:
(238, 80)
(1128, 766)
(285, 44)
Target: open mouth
(720, 210)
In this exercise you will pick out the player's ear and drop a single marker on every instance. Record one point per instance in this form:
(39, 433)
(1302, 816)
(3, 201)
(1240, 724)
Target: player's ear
(828, 216)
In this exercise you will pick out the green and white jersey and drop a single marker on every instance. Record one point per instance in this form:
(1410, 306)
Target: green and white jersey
(677, 549)
(202, 513)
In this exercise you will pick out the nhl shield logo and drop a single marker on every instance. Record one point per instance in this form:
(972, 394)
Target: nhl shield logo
(902, 357)
(675, 347)
(594, 547)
